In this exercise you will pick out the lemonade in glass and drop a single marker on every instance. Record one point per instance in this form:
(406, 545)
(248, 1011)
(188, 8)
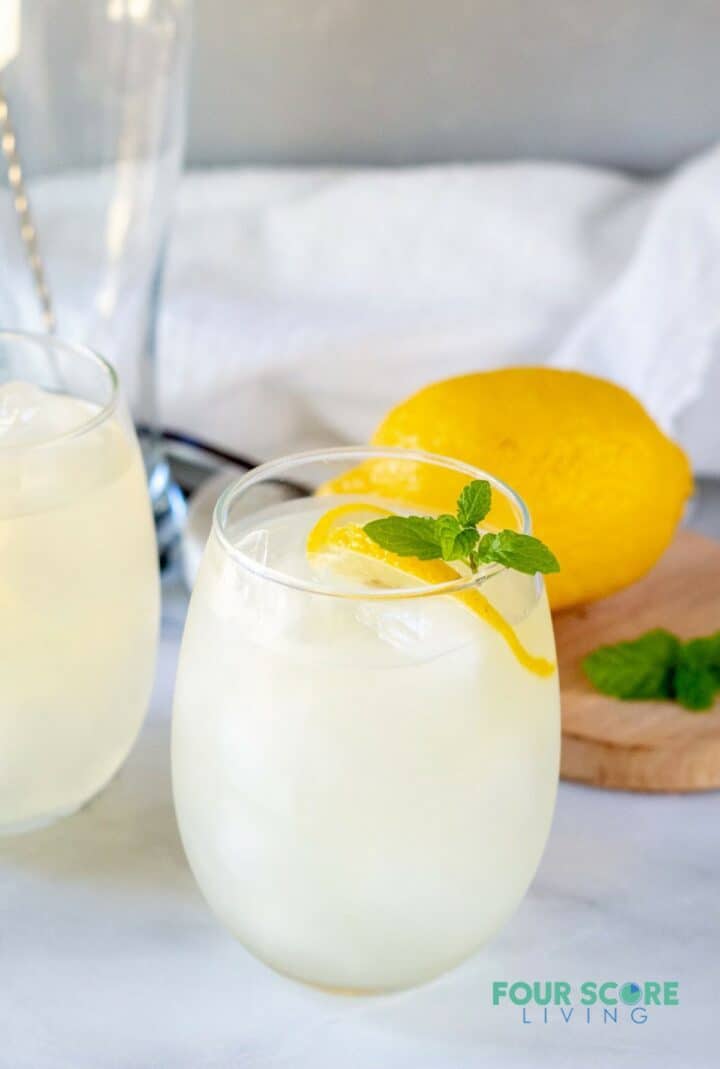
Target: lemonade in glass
(365, 745)
(78, 580)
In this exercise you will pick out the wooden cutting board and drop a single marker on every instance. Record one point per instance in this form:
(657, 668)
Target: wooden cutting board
(642, 746)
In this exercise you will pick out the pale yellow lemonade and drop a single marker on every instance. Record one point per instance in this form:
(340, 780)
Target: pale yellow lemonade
(78, 601)
(364, 784)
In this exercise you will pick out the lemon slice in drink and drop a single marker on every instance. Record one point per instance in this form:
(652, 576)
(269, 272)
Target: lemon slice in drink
(339, 538)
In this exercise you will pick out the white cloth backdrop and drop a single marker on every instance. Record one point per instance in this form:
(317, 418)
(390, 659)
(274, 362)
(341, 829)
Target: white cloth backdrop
(300, 305)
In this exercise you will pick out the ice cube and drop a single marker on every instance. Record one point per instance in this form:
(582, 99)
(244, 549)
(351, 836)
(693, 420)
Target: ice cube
(29, 414)
(264, 608)
(513, 594)
(255, 545)
(419, 628)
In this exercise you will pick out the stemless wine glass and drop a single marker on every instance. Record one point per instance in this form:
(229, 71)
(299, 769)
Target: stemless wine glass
(365, 748)
(79, 590)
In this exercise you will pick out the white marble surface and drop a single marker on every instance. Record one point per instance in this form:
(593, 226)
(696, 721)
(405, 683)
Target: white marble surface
(110, 959)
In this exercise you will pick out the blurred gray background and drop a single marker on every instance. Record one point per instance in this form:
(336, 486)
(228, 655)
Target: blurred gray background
(629, 83)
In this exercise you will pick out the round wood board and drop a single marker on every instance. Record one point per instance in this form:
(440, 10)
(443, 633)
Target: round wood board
(642, 746)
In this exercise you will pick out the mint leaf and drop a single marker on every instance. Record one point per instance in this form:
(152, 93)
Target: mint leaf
(694, 687)
(697, 675)
(521, 552)
(642, 669)
(704, 652)
(408, 536)
(657, 665)
(465, 543)
(473, 504)
(447, 529)
(457, 538)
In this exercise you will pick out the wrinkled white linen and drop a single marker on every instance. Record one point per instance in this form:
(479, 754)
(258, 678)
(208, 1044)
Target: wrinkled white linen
(301, 304)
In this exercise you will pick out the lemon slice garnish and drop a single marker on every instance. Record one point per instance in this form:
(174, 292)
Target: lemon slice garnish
(339, 537)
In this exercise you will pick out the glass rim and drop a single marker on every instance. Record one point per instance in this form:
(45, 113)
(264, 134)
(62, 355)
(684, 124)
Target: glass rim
(281, 466)
(74, 350)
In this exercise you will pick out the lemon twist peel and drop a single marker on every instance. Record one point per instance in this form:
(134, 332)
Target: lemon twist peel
(330, 535)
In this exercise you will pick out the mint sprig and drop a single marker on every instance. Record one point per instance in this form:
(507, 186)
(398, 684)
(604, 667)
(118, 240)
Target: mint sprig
(456, 538)
(657, 665)
(474, 503)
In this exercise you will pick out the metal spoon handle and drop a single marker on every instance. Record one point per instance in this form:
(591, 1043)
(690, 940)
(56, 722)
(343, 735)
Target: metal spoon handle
(28, 230)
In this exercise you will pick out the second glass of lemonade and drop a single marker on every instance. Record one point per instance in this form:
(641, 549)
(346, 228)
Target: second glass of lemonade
(365, 751)
(79, 592)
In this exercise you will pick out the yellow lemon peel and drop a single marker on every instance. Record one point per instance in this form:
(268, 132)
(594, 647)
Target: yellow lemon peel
(329, 534)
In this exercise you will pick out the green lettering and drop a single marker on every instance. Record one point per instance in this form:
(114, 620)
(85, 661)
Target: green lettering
(520, 993)
(671, 993)
(603, 995)
(499, 991)
(588, 992)
(562, 993)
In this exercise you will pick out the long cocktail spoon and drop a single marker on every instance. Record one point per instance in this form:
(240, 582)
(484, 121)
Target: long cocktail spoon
(21, 201)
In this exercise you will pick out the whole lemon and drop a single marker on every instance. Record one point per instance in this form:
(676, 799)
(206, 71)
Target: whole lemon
(604, 485)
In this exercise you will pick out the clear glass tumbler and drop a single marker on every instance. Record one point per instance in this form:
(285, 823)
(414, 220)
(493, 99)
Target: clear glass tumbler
(79, 589)
(365, 748)
(92, 131)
